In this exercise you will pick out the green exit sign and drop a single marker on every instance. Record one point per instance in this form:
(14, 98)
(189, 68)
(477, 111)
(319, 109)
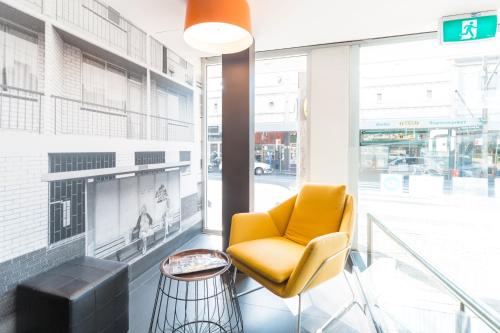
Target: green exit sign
(470, 27)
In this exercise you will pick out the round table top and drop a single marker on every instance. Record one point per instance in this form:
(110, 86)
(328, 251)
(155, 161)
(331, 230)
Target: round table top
(165, 265)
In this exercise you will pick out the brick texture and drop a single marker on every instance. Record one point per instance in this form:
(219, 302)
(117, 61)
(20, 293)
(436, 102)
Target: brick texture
(23, 267)
(23, 204)
(24, 159)
(72, 71)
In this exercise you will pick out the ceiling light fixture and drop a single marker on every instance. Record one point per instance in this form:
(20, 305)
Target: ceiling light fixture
(218, 26)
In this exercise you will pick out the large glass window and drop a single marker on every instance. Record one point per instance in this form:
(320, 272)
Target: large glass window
(93, 80)
(18, 58)
(429, 153)
(214, 147)
(106, 84)
(279, 87)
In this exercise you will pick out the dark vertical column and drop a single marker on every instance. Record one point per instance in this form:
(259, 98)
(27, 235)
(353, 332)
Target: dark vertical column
(237, 136)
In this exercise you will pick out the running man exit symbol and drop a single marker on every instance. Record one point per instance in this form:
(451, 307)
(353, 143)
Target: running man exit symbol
(469, 29)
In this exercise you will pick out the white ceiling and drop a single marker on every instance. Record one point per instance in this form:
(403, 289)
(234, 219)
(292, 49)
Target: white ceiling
(289, 23)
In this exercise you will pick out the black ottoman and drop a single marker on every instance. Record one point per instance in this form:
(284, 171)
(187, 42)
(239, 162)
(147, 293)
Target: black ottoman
(81, 295)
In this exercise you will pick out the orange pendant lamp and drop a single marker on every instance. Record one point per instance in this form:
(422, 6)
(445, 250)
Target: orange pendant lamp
(218, 26)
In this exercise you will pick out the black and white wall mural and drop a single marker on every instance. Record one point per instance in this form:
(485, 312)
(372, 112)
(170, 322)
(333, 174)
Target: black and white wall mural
(130, 216)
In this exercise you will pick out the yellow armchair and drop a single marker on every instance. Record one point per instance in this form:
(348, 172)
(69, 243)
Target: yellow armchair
(297, 245)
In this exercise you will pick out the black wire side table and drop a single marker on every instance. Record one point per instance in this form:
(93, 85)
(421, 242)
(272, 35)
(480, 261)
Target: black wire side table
(201, 302)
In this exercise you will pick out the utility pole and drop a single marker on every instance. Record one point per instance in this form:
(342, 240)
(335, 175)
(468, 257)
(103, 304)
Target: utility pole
(484, 116)
(484, 151)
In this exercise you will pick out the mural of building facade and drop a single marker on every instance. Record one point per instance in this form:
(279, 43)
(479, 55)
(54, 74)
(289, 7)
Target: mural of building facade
(107, 131)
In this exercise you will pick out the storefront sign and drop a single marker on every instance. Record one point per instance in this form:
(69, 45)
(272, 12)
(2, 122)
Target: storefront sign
(468, 27)
(419, 123)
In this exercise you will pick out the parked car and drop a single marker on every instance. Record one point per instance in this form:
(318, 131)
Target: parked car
(418, 166)
(259, 168)
(466, 167)
(262, 168)
(407, 165)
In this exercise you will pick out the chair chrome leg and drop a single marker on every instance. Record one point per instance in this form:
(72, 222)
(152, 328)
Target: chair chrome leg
(299, 313)
(346, 308)
(352, 293)
(234, 274)
(339, 314)
(246, 292)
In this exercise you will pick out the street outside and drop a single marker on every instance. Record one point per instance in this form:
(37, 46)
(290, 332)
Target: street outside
(269, 191)
(457, 233)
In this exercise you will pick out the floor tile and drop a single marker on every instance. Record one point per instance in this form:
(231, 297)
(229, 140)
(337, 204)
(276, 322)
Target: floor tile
(262, 311)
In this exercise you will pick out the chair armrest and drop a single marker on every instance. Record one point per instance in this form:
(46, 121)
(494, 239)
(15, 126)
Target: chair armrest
(251, 226)
(282, 212)
(348, 218)
(323, 258)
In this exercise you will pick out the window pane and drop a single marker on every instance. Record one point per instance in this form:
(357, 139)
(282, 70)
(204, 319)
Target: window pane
(93, 81)
(214, 147)
(116, 94)
(429, 154)
(19, 54)
(279, 87)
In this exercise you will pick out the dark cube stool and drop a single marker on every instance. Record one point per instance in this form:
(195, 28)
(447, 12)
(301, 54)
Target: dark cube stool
(81, 295)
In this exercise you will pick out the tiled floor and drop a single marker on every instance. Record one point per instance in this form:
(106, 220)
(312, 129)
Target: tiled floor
(262, 311)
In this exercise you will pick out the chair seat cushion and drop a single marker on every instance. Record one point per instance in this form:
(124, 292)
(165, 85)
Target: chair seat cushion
(274, 258)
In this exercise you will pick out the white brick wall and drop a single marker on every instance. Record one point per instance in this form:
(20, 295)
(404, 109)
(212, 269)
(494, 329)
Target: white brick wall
(72, 71)
(124, 158)
(54, 69)
(41, 62)
(54, 65)
(23, 195)
(23, 203)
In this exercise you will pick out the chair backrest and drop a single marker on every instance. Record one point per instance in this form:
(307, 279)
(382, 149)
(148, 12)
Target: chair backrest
(318, 210)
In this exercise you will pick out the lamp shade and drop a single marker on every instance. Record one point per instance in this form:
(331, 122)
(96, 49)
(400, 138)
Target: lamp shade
(218, 26)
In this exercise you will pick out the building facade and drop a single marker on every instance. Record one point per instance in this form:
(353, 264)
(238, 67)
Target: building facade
(106, 125)
(436, 116)
(279, 89)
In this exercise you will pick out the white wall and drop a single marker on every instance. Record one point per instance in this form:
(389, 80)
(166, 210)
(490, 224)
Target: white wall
(329, 125)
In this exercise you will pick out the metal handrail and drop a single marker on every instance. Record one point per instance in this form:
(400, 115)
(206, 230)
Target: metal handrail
(34, 92)
(20, 109)
(181, 122)
(119, 121)
(489, 316)
(90, 103)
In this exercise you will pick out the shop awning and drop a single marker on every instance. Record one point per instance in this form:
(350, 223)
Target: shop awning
(50, 177)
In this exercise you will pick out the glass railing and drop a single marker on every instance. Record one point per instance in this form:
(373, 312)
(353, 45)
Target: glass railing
(409, 294)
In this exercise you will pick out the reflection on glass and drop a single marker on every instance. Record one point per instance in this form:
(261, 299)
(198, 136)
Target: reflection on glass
(407, 297)
(280, 85)
(214, 147)
(429, 154)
